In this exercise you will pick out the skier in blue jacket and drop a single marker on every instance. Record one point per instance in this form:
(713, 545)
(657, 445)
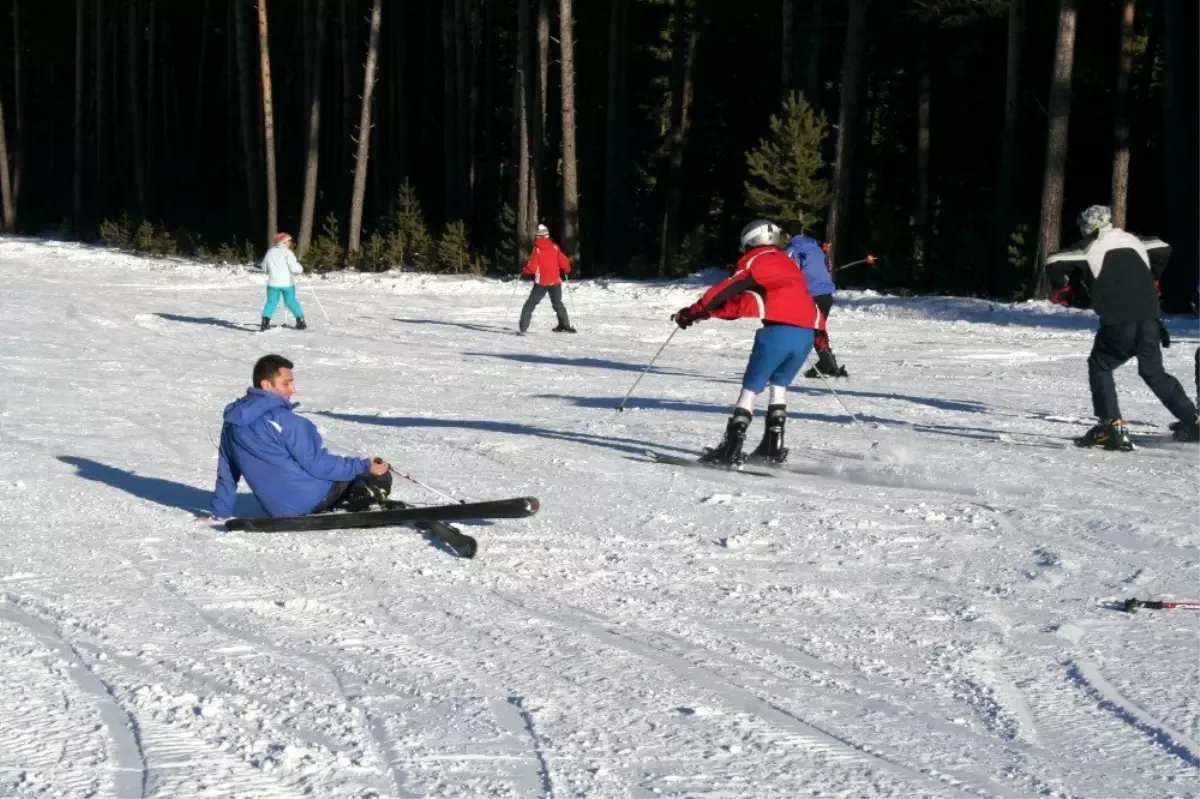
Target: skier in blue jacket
(282, 457)
(810, 257)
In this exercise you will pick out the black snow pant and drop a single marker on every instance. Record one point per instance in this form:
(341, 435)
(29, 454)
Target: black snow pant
(358, 494)
(1116, 344)
(826, 363)
(1198, 374)
(537, 295)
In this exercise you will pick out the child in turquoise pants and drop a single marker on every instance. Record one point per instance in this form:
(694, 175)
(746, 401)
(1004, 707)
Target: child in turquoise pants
(282, 267)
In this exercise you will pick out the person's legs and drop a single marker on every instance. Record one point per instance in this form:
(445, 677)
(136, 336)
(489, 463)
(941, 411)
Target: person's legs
(1114, 345)
(1150, 368)
(535, 296)
(273, 295)
(769, 353)
(560, 310)
(293, 304)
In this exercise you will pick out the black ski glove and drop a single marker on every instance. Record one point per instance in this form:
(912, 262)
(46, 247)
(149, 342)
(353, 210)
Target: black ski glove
(685, 318)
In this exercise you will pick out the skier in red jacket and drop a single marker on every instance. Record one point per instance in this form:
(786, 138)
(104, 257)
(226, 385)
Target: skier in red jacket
(765, 284)
(547, 267)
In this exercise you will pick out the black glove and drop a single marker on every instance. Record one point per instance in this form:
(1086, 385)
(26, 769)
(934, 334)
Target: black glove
(685, 318)
(1164, 335)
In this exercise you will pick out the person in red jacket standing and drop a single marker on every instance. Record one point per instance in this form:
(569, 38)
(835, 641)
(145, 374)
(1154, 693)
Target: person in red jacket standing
(547, 267)
(765, 284)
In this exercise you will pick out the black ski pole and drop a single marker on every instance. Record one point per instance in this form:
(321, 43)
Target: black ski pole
(621, 404)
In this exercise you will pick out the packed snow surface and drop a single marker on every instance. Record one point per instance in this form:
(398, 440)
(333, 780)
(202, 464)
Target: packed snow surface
(934, 616)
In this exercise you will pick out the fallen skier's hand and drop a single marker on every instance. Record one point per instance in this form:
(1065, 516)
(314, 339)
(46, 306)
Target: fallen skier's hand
(379, 466)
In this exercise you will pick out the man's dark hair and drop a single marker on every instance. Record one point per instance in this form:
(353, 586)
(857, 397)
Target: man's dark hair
(794, 228)
(268, 368)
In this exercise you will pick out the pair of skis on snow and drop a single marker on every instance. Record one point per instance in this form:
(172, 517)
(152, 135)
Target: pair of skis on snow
(433, 519)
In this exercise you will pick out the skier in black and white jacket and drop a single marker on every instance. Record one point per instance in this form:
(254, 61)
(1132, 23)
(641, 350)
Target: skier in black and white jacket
(1119, 271)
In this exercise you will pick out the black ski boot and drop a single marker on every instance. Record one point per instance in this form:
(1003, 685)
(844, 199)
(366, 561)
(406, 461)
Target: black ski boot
(771, 449)
(730, 449)
(266, 323)
(565, 329)
(1111, 434)
(366, 492)
(301, 324)
(1186, 431)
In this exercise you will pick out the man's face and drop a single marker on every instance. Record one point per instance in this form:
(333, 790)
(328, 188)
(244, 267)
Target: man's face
(284, 384)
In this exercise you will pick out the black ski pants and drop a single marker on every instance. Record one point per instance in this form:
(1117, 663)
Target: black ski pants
(1116, 344)
(539, 293)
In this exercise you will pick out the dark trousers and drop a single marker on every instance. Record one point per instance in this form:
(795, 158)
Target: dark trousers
(1198, 374)
(537, 295)
(826, 363)
(359, 494)
(1116, 344)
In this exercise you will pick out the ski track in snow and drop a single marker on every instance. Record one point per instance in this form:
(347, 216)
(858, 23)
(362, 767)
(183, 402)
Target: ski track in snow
(930, 617)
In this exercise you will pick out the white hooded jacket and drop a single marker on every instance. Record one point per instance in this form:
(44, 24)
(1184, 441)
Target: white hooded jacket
(280, 264)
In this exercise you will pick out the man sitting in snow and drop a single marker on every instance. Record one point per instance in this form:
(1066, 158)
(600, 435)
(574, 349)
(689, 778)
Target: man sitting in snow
(282, 457)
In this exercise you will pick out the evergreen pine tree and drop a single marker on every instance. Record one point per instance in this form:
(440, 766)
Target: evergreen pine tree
(784, 184)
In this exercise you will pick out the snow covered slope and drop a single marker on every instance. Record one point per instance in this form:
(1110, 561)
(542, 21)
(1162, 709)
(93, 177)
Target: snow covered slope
(930, 617)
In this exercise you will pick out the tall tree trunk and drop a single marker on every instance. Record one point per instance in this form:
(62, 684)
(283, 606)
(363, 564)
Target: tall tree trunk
(1003, 285)
(787, 28)
(313, 134)
(924, 125)
(450, 149)
(8, 214)
(1056, 145)
(1181, 149)
(525, 187)
(231, 169)
(343, 149)
(466, 47)
(1120, 169)
(540, 167)
(848, 119)
(18, 167)
(268, 109)
(616, 166)
(198, 112)
(364, 132)
(816, 37)
(570, 166)
(686, 36)
(80, 19)
(151, 104)
(135, 109)
(249, 170)
(399, 63)
(490, 178)
(98, 98)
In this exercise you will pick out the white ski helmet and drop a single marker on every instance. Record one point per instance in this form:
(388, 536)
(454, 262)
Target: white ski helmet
(542, 231)
(758, 233)
(1093, 218)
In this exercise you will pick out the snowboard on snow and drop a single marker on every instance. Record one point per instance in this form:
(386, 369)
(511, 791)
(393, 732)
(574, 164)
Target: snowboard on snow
(432, 519)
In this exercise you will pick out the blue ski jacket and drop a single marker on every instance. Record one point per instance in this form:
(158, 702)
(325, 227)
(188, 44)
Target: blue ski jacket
(281, 456)
(807, 254)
